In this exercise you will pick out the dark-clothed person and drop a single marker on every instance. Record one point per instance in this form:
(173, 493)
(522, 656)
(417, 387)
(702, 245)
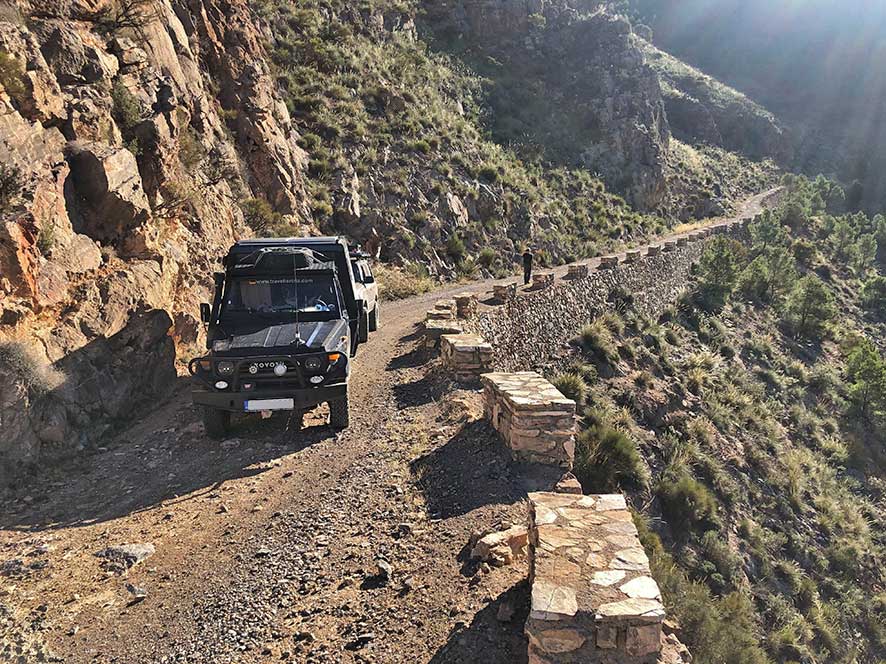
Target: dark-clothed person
(527, 266)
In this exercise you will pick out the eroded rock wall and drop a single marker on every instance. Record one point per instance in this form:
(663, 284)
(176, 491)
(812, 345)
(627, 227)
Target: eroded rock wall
(128, 138)
(573, 75)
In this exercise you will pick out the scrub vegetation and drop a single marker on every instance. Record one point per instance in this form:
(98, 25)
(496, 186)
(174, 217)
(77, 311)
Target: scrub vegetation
(747, 424)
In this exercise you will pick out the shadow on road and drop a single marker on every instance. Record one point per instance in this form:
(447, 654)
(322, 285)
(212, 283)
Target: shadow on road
(468, 471)
(417, 357)
(495, 634)
(166, 454)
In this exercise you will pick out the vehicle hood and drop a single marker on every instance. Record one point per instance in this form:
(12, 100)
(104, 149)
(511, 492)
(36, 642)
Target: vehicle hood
(291, 337)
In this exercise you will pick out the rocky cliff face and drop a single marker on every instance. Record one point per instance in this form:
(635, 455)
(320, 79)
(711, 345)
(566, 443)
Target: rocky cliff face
(572, 76)
(128, 133)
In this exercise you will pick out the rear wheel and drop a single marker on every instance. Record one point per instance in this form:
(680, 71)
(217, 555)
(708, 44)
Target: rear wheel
(217, 422)
(339, 415)
(373, 319)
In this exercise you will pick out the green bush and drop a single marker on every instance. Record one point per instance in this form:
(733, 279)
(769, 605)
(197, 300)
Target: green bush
(260, 216)
(810, 307)
(398, 283)
(686, 502)
(12, 73)
(11, 183)
(718, 270)
(486, 258)
(126, 110)
(873, 295)
(606, 459)
(597, 342)
(455, 248)
(572, 386)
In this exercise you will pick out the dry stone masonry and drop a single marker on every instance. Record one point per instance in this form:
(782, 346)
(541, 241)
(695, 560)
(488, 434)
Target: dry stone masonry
(579, 271)
(543, 280)
(528, 330)
(467, 356)
(593, 598)
(535, 420)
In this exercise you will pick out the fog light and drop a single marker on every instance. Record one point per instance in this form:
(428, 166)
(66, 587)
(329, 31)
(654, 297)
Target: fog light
(316, 380)
(221, 385)
(225, 368)
(280, 369)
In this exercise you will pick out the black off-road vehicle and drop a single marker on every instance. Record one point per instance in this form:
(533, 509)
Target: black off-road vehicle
(282, 330)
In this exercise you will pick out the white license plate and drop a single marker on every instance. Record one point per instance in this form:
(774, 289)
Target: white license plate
(256, 405)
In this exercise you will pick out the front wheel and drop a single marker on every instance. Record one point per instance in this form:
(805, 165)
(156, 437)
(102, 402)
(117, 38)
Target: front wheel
(363, 328)
(373, 319)
(339, 415)
(216, 422)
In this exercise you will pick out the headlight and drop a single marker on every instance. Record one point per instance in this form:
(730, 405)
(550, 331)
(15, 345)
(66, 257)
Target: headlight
(313, 363)
(225, 368)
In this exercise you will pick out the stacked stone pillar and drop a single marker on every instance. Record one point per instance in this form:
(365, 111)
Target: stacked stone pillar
(593, 598)
(535, 420)
(467, 356)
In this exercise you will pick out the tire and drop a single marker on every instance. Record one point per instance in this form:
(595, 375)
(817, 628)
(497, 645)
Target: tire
(373, 319)
(297, 422)
(216, 422)
(339, 416)
(363, 328)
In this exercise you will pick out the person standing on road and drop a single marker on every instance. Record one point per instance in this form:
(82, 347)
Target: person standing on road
(527, 266)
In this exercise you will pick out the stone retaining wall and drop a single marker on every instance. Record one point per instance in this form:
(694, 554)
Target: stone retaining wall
(535, 420)
(593, 598)
(467, 356)
(531, 328)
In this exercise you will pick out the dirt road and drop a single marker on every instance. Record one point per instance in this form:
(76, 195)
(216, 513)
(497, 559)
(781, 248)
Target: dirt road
(278, 545)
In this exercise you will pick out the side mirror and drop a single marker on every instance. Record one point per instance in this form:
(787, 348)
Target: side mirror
(205, 313)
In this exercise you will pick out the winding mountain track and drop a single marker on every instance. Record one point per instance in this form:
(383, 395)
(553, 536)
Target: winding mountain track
(279, 545)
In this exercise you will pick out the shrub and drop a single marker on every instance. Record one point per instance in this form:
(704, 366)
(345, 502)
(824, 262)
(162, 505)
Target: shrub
(11, 183)
(810, 307)
(804, 252)
(572, 386)
(606, 459)
(685, 500)
(12, 74)
(597, 342)
(191, 152)
(486, 258)
(20, 364)
(873, 295)
(126, 110)
(396, 283)
(718, 270)
(455, 248)
(260, 216)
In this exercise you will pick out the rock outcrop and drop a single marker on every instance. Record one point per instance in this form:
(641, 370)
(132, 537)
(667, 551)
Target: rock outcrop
(126, 143)
(592, 99)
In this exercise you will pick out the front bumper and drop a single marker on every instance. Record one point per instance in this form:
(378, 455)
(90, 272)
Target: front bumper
(303, 399)
(261, 384)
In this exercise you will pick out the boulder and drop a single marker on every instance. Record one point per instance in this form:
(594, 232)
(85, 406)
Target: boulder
(109, 187)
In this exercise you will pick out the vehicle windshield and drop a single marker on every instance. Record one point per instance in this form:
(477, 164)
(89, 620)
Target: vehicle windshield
(302, 294)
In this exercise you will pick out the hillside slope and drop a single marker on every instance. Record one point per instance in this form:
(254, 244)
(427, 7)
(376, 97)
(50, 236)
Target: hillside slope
(747, 424)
